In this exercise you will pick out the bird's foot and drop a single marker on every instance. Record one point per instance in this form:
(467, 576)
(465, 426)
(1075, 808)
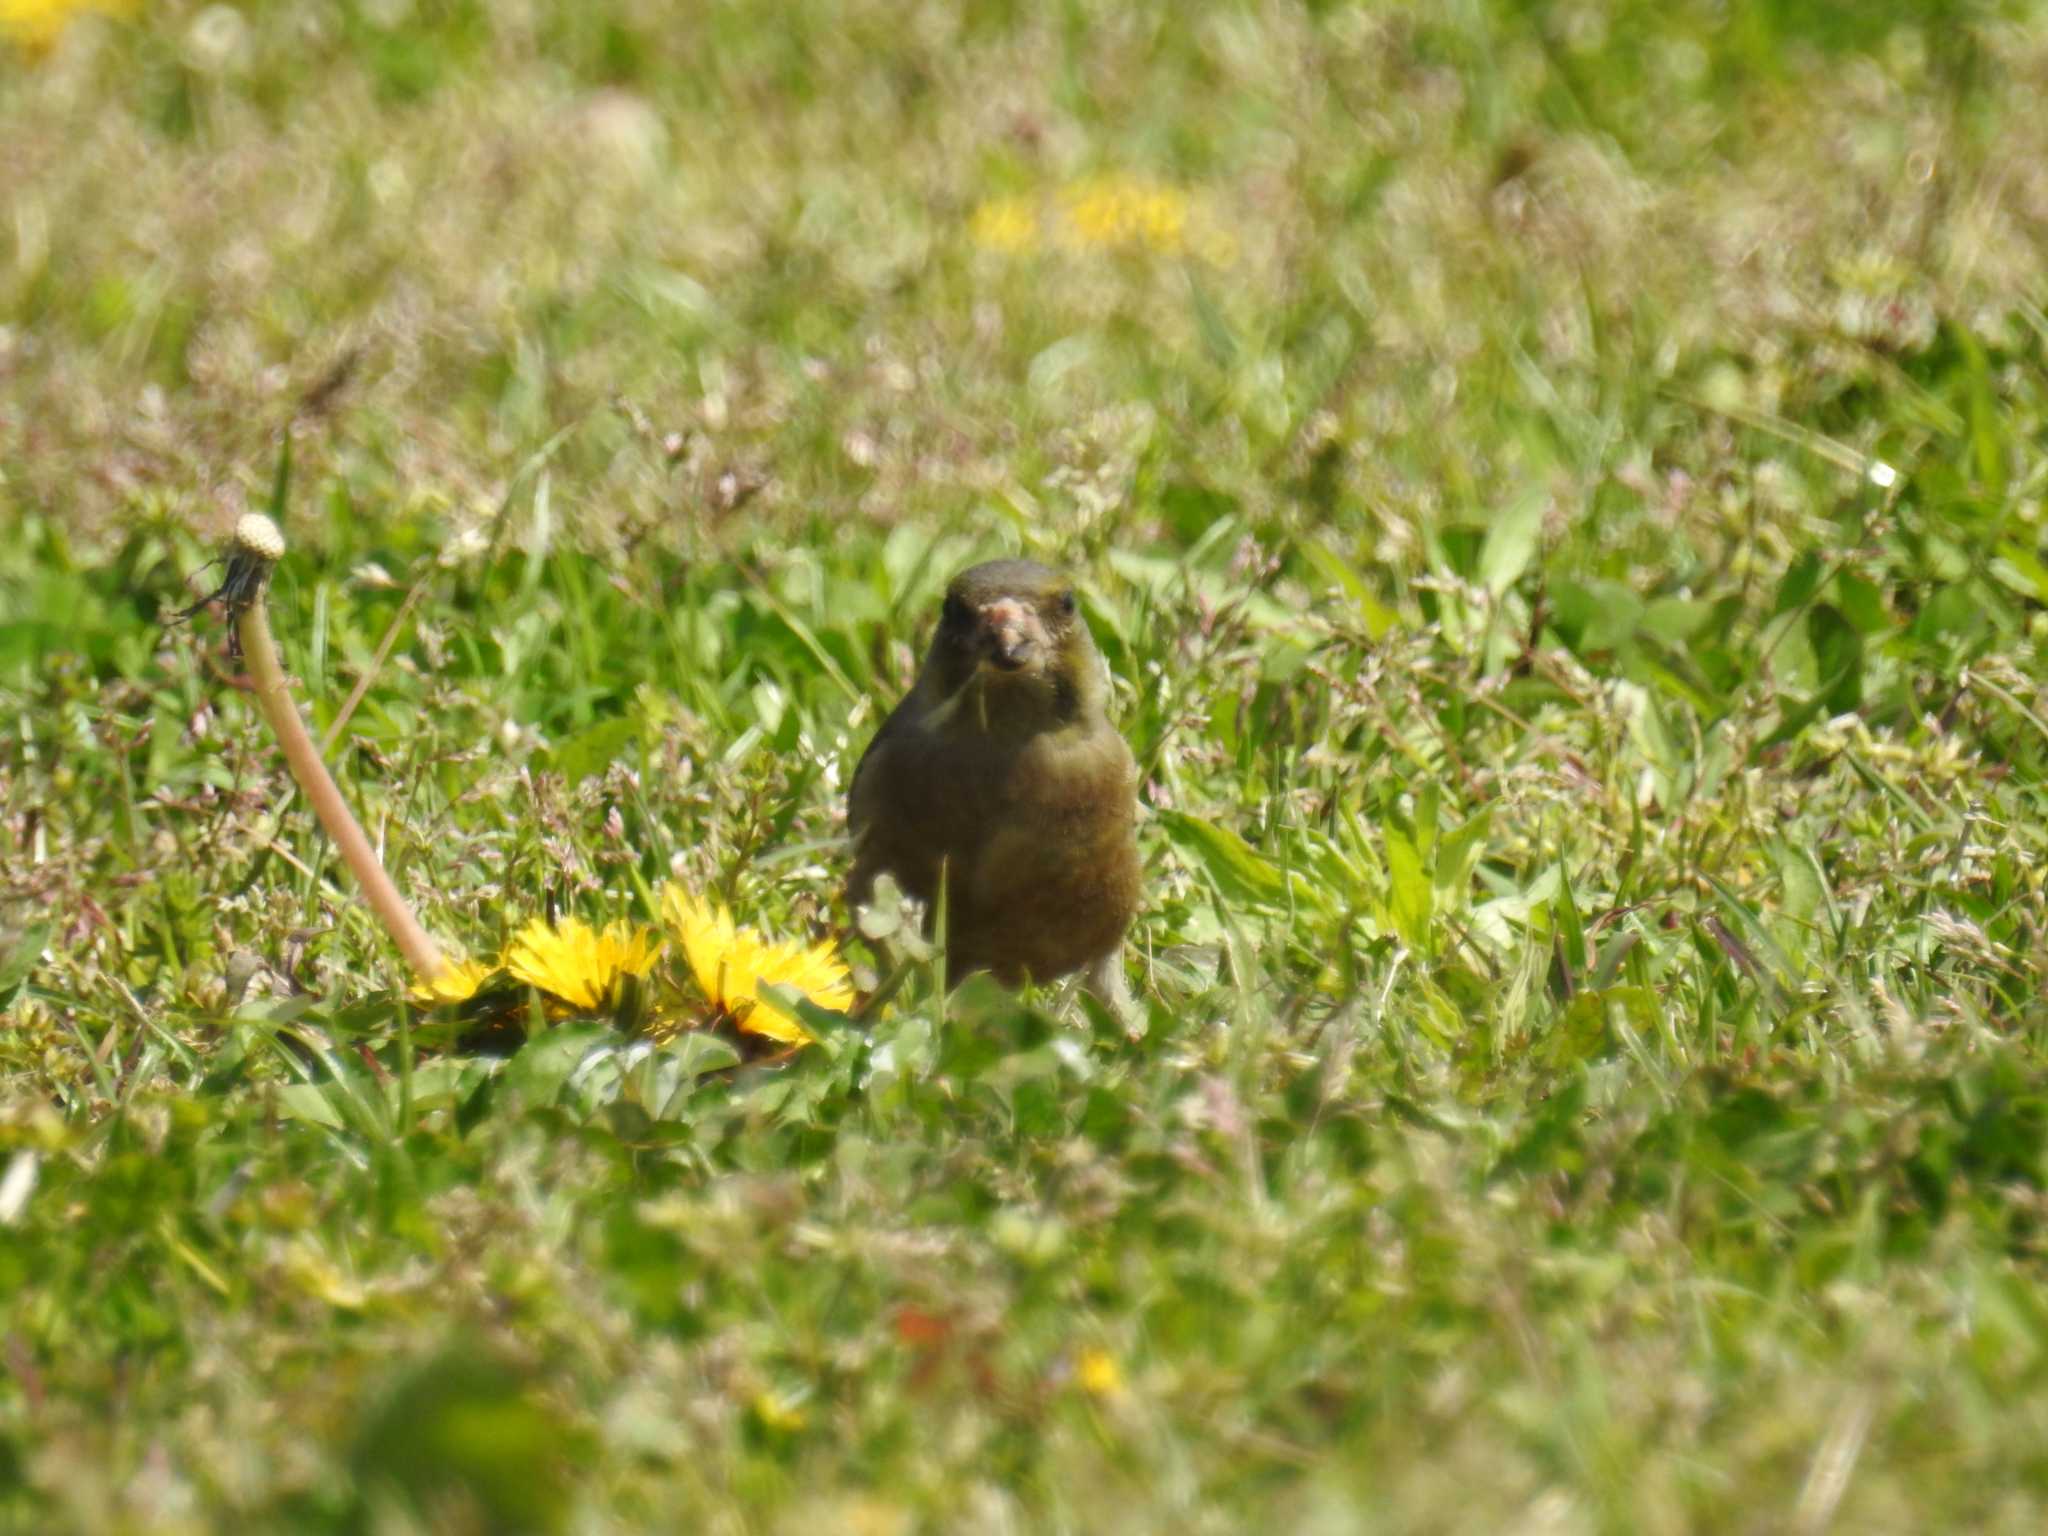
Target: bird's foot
(1105, 979)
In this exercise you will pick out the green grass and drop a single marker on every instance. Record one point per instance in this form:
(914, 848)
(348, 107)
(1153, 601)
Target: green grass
(1574, 570)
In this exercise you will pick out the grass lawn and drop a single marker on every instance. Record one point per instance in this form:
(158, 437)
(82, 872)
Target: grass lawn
(1559, 484)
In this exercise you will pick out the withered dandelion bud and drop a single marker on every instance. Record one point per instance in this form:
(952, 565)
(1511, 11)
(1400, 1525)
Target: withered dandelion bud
(258, 545)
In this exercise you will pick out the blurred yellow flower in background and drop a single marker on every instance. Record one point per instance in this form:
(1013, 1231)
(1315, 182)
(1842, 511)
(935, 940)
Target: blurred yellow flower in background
(1108, 212)
(1005, 224)
(1098, 1373)
(34, 26)
(1123, 210)
(582, 967)
(731, 964)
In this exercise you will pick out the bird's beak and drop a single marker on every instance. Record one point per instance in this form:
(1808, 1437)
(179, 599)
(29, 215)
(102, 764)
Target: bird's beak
(1011, 636)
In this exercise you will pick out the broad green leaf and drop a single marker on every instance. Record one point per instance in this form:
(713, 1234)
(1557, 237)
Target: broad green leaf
(541, 1067)
(1675, 620)
(1838, 657)
(310, 1102)
(1797, 879)
(1799, 583)
(1571, 931)
(1378, 618)
(21, 959)
(2021, 569)
(1863, 604)
(1239, 870)
(1988, 429)
(1410, 897)
(1456, 854)
(1595, 616)
(594, 749)
(1511, 542)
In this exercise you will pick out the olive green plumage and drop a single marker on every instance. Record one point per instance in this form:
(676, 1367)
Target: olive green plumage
(1001, 771)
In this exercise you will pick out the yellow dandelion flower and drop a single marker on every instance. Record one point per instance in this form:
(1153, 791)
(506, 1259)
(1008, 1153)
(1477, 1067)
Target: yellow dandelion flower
(1127, 212)
(731, 964)
(780, 1413)
(1107, 212)
(35, 25)
(1098, 1373)
(457, 983)
(1160, 216)
(581, 967)
(1004, 224)
(1096, 211)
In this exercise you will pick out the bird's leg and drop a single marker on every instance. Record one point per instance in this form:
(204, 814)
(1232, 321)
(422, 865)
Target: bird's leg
(1105, 978)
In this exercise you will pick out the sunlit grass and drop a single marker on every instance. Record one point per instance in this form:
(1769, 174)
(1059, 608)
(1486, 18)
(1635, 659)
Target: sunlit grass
(1593, 1075)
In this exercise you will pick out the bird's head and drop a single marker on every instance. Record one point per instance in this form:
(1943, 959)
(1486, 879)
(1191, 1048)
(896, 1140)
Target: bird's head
(1012, 648)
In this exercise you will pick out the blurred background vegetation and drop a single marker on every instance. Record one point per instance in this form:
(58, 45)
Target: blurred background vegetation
(1560, 486)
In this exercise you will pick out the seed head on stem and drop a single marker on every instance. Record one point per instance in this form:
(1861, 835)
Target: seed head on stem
(258, 546)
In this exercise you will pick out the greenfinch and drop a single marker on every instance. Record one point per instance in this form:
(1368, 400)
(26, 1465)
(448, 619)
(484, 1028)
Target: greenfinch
(1000, 783)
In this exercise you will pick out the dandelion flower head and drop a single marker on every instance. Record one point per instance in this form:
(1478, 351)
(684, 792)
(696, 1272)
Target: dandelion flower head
(731, 964)
(457, 982)
(582, 967)
(1111, 212)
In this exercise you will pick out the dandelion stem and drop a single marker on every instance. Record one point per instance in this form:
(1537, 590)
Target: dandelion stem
(258, 546)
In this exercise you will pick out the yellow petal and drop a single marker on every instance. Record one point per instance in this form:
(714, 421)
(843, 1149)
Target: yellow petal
(1004, 224)
(1097, 1373)
(781, 1413)
(578, 965)
(731, 964)
(455, 983)
(705, 934)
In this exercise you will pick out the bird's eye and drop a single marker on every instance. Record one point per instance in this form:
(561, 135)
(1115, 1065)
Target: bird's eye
(1067, 602)
(954, 615)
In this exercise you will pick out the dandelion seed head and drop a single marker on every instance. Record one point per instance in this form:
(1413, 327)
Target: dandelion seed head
(256, 533)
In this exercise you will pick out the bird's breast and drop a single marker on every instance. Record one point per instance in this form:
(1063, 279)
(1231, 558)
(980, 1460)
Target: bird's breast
(1035, 838)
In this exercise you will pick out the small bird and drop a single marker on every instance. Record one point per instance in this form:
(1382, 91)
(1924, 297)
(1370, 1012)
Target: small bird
(1000, 778)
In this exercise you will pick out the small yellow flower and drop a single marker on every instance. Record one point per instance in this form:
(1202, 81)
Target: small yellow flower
(1112, 212)
(457, 983)
(35, 25)
(1097, 1373)
(1004, 224)
(1125, 211)
(731, 965)
(1093, 212)
(319, 1277)
(581, 967)
(780, 1413)
(1161, 217)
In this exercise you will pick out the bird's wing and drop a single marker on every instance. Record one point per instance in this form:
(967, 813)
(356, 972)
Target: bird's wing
(867, 774)
(867, 809)
(867, 797)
